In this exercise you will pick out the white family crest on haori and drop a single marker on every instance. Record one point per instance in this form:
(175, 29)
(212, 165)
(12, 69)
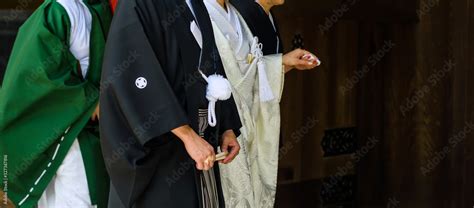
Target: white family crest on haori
(141, 82)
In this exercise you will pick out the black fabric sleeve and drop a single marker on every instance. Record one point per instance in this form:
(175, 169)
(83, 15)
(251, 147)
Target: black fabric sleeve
(230, 117)
(150, 110)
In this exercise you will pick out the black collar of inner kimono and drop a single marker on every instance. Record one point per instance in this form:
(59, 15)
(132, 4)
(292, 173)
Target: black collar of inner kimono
(204, 23)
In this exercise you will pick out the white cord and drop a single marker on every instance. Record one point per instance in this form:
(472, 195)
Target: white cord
(266, 93)
(218, 88)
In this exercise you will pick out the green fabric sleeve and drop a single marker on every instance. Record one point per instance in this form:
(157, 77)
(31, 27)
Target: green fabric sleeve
(40, 98)
(57, 21)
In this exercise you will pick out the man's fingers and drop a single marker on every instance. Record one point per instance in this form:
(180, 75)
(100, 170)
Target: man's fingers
(210, 161)
(225, 147)
(199, 165)
(208, 158)
(232, 154)
(211, 149)
(205, 165)
(208, 164)
(211, 156)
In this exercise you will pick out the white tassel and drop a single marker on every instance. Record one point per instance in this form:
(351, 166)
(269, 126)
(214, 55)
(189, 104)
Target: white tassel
(218, 88)
(265, 91)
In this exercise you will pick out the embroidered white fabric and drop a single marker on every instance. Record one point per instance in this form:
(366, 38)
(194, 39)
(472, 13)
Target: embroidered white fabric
(250, 179)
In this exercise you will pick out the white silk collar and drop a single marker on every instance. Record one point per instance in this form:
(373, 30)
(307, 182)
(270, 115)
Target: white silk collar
(231, 25)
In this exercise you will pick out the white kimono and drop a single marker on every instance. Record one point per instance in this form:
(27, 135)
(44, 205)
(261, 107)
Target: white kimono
(250, 180)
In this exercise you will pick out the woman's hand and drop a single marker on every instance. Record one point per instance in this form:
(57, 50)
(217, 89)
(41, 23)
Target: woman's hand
(198, 148)
(300, 59)
(229, 144)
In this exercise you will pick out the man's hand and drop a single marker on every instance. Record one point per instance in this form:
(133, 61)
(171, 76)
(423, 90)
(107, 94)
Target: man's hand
(198, 148)
(300, 59)
(96, 114)
(231, 145)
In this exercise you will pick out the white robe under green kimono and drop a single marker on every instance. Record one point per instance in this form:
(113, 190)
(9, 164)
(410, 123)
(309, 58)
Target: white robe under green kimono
(47, 97)
(250, 180)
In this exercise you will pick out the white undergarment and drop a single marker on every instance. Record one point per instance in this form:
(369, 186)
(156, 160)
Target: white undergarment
(69, 188)
(79, 37)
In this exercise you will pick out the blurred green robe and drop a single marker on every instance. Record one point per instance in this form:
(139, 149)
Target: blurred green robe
(45, 104)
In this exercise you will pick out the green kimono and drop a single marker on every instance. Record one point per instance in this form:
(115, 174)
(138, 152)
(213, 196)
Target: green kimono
(45, 104)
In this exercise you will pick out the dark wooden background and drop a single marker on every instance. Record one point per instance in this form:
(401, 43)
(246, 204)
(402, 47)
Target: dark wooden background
(425, 37)
(426, 34)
